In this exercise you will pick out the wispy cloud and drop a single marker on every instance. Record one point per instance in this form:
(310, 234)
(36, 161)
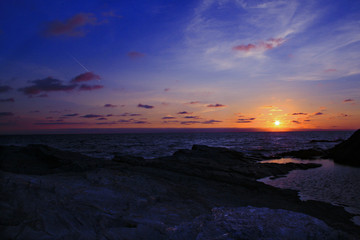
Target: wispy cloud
(91, 116)
(134, 54)
(85, 87)
(7, 100)
(145, 106)
(168, 117)
(6, 114)
(84, 77)
(216, 105)
(48, 84)
(349, 100)
(108, 105)
(245, 120)
(5, 88)
(71, 115)
(299, 113)
(72, 27)
(184, 112)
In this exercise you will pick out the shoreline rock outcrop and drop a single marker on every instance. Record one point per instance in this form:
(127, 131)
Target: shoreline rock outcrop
(193, 194)
(347, 152)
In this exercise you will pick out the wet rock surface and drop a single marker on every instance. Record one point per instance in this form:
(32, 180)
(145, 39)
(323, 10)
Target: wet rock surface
(347, 152)
(203, 193)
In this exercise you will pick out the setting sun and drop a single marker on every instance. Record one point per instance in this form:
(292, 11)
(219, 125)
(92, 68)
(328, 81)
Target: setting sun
(277, 123)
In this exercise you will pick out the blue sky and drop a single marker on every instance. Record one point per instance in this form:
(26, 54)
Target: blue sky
(238, 64)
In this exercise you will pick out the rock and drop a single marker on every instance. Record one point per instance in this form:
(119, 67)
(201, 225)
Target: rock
(347, 152)
(190, 195)
(255, 223)
(41, 159)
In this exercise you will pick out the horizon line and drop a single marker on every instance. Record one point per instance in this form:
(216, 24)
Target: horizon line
(158, 130)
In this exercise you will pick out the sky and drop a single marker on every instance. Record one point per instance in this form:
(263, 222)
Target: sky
(179, 64)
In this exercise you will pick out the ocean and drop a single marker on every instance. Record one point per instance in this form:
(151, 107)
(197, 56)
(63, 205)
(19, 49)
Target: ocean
(332, 183)
(151, 145)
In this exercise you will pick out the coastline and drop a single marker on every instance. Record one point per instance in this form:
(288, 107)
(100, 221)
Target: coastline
(71, 195)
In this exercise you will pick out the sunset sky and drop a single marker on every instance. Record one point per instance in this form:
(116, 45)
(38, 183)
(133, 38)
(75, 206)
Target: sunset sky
(179, 64)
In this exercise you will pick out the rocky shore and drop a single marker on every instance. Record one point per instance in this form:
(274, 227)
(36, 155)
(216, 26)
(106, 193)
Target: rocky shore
(202, 193)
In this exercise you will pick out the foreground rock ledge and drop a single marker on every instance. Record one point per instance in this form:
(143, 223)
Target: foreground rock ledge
(203, 193)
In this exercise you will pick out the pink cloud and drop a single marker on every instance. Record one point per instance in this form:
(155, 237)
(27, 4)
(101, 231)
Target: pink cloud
(262, 45)
(84, 77)
(134, 54)
(349, 100)
(72, 26)
(330, 70)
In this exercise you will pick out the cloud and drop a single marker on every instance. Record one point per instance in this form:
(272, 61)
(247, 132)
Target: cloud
(132, 121)
(134, 54)
(172, 121)
(145, 106)
(102, 118)
(307, 120)
(192, 117)
(48, 84)
(330, 70)
(58, 123)
(299, 113)
(141, 122)
(216, 105)
(130, 114)
(72, 27)
(184, 112)
(85, 87)
(110, 105)
(193, 102)
(349, 100)
(343, 115)
(71, 115)
(84, 77)
(7, 100)
(166, 89)
(211, 121)
(318, 113)
(91, 116)
(260, 46)
(297, 122)
(105, 123)
(111, 13)
(5, 88)
(168, 117)
(245, 120)
(6, 114)
(189, 122)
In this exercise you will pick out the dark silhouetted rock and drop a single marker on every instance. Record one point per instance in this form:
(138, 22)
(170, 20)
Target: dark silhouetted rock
(347, 152)
(41, 159)
(202, 193)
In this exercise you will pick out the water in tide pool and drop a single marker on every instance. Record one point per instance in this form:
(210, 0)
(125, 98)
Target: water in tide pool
(331, 183)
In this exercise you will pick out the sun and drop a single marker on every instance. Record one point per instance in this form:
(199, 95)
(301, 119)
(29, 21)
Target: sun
(277, 123)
